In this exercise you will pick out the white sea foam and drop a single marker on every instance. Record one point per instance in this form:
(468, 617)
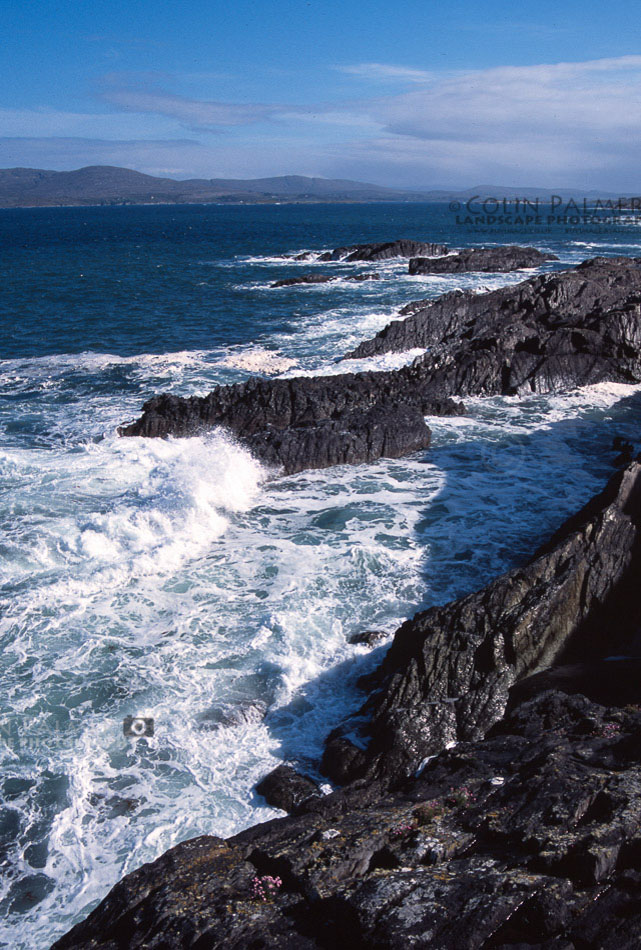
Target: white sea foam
(259, 360)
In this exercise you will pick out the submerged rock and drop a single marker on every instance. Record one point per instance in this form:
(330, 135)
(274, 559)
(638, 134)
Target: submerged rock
(484, 259)
(323, 279)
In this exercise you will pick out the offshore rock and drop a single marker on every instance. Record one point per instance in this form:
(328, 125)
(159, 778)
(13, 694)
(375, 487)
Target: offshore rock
(384, 251)
(306, 422)
(552, 331)
(482, 259)
(447, 676)
(322, 279)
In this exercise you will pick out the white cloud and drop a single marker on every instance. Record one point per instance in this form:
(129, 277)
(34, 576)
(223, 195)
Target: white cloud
(194, 113)
(380, 72)
(536, 123)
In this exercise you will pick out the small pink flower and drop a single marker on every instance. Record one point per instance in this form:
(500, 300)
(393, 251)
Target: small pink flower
(265, 887)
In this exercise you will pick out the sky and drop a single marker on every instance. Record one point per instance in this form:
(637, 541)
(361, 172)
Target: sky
(415, 95)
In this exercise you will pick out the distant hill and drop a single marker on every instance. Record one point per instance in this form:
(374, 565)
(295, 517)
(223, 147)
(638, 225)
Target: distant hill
(107, 184)
(110, 185)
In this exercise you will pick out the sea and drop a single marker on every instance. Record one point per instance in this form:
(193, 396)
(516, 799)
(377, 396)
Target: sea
(181, 583)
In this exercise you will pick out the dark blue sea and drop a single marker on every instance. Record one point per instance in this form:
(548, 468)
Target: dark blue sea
(180, 581)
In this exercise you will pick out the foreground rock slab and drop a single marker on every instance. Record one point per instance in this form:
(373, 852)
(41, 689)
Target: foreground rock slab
(526, 834)
(482, 259)
(530, 838)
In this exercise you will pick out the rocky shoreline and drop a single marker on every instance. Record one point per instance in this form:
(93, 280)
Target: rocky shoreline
(551, 332)
(491, 781)
(525, 834)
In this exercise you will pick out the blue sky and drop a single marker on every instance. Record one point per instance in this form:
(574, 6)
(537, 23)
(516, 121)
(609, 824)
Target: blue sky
(417, 94)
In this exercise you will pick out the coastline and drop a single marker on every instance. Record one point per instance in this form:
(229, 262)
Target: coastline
(528, 834)
(436, 767)
(369, 543)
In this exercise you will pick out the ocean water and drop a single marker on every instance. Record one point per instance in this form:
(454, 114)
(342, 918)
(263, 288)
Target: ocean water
(181, 581)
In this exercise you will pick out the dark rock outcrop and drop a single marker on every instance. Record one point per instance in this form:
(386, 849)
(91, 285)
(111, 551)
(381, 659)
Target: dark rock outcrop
(322, 279)
(524, 836)
(447, 676)
(286, 788)
(348, 439)
(613, 681)
(306, 422)
(482, 259)
(384, 251)
(336, 437)
(550, 332)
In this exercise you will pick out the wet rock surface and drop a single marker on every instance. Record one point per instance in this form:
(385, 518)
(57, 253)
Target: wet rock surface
(323, 279)
(348, 439)
(286, 788)
(483, 259)
(306, 422)
(368, 638)
(525, 834)
(529, 838)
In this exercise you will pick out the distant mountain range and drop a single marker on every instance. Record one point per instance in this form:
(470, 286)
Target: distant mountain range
(110, 185)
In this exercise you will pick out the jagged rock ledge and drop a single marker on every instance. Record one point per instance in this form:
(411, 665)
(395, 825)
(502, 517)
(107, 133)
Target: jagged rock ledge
(379, 251)
(548, 333)
(553, 331)
(495, 260)
(527, 837)
(447, 675)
